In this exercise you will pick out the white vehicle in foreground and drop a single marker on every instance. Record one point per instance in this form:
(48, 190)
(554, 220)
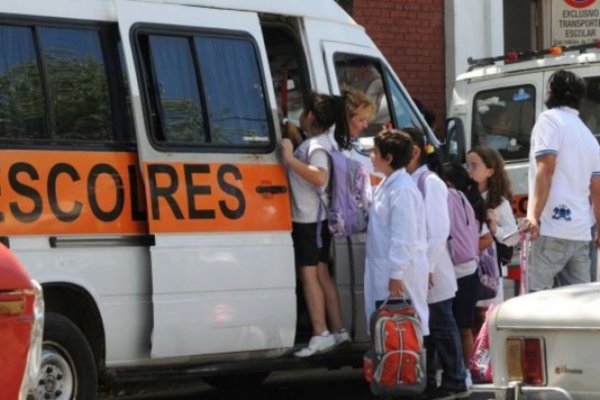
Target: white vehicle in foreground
(544, 345)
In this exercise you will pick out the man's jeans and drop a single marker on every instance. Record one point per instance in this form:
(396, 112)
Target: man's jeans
(553, 261)
(444, 344)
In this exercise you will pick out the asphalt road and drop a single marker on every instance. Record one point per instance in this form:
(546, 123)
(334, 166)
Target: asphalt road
(320, 384)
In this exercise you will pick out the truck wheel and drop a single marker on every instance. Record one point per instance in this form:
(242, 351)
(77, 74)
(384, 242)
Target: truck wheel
(68, 370)
(242, 381)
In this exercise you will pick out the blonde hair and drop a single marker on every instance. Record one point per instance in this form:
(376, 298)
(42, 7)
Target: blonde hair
(350, 103)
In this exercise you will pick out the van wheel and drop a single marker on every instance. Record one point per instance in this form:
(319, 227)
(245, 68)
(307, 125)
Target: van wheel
(242, 381)
(68, 370)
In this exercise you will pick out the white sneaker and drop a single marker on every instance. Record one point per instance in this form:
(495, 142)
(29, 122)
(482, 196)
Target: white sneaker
(469, 380)
(317, 345)
(342, 338)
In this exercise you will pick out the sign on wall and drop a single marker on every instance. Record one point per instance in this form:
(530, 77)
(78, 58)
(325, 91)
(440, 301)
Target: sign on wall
(575, 21)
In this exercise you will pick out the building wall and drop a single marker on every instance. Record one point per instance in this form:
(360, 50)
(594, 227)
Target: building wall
(411, 36)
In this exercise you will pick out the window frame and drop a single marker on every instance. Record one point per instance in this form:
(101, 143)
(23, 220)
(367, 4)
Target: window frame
(144, 29)
(108, 35)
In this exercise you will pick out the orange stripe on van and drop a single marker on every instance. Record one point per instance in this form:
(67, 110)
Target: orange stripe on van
(101, 193)
(70, 192)
(195, 197)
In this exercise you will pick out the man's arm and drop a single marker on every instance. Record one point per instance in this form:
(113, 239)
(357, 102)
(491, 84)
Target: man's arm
(546, 165)
(595, 196)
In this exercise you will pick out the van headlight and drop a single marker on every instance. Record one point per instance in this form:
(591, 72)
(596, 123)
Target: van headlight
(526, 360)
(34, 357)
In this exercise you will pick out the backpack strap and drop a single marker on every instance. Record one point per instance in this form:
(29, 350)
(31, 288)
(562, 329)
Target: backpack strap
(421, 181)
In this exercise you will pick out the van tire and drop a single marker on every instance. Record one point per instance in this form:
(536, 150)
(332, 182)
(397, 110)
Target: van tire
(242, 381)
(68, 370)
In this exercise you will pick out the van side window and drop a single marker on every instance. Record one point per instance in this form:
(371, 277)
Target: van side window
(590, 106)
(77, 84)
(205, 91)
(406, 117)
(54, 86)
(503, 118)
(22, 107)
(364, 74)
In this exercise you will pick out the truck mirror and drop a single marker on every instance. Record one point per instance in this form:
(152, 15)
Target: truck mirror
(455, 141)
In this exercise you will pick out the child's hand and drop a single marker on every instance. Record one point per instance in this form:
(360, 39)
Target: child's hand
(287, 150)
(396, 287)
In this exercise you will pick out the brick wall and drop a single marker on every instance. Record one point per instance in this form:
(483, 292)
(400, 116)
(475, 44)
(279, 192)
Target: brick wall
(410, 33)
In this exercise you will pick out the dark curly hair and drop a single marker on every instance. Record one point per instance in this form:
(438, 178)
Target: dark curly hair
(397, 143)
(565, 89)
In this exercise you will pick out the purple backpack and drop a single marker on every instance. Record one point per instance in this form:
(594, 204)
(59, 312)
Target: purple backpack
(349, 195)
(463, 242)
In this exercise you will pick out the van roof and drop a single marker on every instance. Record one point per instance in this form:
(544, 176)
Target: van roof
(320, 9)
(569, 59)
(327, 10)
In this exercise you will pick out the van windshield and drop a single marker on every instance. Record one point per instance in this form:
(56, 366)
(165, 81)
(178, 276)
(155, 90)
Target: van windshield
(503, 119)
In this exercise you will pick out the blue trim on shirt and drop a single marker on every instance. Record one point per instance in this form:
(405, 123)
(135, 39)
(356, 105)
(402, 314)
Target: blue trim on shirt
(545, 152)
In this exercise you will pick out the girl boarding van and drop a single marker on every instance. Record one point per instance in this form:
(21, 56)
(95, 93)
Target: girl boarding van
(140, 180)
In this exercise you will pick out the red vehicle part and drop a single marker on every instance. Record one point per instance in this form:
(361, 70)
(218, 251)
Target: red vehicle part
(19, 321)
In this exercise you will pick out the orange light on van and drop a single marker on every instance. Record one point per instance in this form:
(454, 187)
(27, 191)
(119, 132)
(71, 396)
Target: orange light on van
(556, 51)
(525, 360)
(511, 57)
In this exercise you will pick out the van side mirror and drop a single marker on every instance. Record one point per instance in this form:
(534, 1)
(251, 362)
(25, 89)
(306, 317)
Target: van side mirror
(455, 147)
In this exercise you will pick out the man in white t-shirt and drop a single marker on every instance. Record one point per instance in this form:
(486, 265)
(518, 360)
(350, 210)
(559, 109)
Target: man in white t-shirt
(564, 187)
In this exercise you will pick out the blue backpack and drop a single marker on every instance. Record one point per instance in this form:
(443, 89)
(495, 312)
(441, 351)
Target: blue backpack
(463, 242)
(349, 195)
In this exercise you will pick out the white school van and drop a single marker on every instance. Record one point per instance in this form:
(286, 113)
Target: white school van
(140, 180)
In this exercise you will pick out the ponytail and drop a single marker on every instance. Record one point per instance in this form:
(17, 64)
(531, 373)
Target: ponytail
(429, 154)
(341, 133)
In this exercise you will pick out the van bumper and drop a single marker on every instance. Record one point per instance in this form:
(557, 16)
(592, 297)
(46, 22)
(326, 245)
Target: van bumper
(517, 391)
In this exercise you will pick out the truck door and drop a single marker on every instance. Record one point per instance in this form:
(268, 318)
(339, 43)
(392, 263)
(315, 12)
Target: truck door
(501, 114)
(218, 207)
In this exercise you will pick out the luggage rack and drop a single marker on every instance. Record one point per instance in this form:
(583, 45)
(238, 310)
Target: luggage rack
(517, 56)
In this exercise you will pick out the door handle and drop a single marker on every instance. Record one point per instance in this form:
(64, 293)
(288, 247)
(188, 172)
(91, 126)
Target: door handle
(271, 189)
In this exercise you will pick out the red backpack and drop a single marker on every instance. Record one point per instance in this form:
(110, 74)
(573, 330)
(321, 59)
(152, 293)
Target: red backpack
(395, 365)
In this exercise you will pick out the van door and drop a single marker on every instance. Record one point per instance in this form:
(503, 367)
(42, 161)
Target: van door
(502, 114)
(222, 263)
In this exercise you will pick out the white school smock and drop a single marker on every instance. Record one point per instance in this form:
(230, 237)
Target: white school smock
(397, 244)
(438, 230)
(505, 222)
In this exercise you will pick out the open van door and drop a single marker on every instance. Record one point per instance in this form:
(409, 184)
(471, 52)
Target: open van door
(223, 276)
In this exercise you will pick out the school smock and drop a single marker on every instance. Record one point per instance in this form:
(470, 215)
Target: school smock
(396, 244)
(560, 131)
(437, 221)
(505, 222)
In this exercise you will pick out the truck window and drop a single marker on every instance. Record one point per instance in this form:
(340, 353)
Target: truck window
(205, 91)
(503, 119)
(590, 106)
(55, 86)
